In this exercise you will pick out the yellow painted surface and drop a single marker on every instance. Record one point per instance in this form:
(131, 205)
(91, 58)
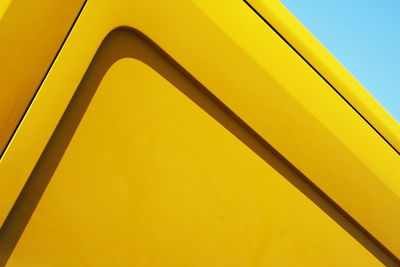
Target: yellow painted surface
(31, 33)
(3, 7)
(326, 64)
(156, 181)
(227, 48)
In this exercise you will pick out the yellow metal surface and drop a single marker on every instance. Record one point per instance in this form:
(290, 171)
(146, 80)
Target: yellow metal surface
(3, 7)
(152, 187)
(326, 64)
(249, 70)
(31, 33)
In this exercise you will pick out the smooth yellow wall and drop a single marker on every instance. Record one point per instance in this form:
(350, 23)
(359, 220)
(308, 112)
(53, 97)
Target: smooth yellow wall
(293, 127)
(150, 179)
(31, 33)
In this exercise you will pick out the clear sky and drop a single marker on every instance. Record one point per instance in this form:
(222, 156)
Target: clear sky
(364, 35)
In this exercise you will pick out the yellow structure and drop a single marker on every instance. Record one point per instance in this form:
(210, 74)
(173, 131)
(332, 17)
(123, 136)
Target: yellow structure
(188, 133)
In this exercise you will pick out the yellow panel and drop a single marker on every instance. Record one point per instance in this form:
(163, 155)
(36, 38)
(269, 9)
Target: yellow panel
(266, 86)
(3, 7)
(150, 179)
(31, 33)
(314, 52)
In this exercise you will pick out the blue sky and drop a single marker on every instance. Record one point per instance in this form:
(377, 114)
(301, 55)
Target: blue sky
(364, 35)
